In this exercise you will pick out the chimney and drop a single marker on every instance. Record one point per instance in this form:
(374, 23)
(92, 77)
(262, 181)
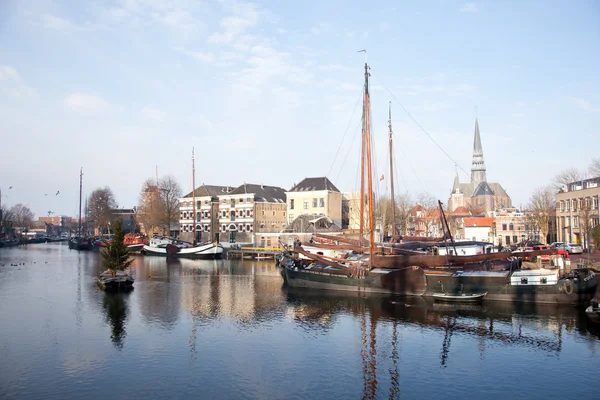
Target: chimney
(262, 186)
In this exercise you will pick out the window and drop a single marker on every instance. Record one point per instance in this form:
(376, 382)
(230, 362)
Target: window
(515, 239)
(291, 204)
(576, 222)
(284, 213)
(504, 226)
(224, 214)
(291, 217)
(240, 227)
(321, 202)
(247, 213)
(224, 228)
(263, 213)
(205, 201)
(562, 205)
(306, 204)
(314, 203)
(241, 200)
(595, 206)
(511, 227)
(248, 200)
(273, 213)
(507, 239)
(248, 227)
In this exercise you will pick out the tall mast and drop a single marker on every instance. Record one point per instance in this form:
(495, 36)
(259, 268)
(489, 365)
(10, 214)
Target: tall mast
(80, 191)
(362, 175)
(392, 173)
(194, 194)
(369, 162)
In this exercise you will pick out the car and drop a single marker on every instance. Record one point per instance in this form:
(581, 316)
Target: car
(571, 248)
(556, 244)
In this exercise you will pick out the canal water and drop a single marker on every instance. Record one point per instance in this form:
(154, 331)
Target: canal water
(229, 330)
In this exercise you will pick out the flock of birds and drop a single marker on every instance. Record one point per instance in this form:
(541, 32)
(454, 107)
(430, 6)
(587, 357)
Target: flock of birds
(50, 212)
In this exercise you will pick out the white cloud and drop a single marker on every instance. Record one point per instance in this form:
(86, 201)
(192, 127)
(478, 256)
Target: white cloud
(86, 103)
(205, 57)
(315, 31)
(469, 8)
(244, 16)
(8, 73)
(153, 114)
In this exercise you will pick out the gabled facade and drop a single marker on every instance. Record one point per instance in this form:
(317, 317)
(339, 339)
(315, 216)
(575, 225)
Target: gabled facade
(316, 197)
(424, 222)
(249, 211)
(207, 207)
(478, 228)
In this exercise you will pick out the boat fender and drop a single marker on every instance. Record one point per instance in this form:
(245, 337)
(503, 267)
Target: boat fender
(568, 286)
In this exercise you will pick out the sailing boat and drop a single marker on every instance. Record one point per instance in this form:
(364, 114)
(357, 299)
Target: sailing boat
(166, 246)
(398, 269)
(78, 242)
(355, 272)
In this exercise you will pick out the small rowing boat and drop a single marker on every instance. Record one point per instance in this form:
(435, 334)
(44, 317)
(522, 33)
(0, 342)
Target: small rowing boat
(459, 297)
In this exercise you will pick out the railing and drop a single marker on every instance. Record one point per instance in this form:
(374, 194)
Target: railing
(262, 249)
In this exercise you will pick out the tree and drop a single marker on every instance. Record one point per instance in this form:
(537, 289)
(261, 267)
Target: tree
(115, 256)
(430, 213)
(22, 216)
(403, 206)
(100, 202)
(7, 221)
(170, 192)
(596, 235)
(586, 220)
(595, 167)
(150, 207)
(541, 205)
(565, 177)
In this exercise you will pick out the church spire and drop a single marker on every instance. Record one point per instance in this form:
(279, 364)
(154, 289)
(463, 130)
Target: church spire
(478, 166)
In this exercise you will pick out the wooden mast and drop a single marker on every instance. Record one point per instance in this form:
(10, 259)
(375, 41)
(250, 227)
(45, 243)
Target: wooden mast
(194, 196)
(80, 192)
(369, 162)
(362, 168)
(392, 173)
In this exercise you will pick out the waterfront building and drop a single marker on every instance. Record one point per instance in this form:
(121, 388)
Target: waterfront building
(577, 211)
(315, 197)
(479, 196)
(424, 222)
(478, 228)
(511, 226)
(253, 214)
(207, 207)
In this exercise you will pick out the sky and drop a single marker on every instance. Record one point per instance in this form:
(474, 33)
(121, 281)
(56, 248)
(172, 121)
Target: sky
(268, 92)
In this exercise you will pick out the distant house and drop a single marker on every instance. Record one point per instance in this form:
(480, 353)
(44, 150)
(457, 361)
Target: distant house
(207, 213)
(478, 228)
(315, 197)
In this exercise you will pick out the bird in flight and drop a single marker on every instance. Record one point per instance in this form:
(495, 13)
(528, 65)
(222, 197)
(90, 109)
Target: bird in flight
(57, 192)
(10, 187)
(45, 194)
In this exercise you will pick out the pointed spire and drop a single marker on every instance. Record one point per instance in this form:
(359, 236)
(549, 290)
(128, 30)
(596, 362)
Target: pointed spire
(456, 186)
(478, 165)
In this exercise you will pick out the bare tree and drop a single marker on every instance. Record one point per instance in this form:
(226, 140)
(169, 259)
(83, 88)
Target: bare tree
(22, 216)
(403, 206)
(430, 214)
(100, 202)
(595, 167)
(567, 176)
(7, 220)
(170, 192)
(541, 205)
(151, 207)
(586, 221)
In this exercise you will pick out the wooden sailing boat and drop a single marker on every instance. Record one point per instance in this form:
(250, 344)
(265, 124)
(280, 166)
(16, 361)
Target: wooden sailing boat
(356, 273)
(79, 242)
(166, 246)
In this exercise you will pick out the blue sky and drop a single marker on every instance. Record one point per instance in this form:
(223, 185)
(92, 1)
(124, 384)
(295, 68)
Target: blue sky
(265, 91)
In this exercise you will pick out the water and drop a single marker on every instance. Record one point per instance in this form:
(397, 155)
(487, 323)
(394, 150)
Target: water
(229, 330)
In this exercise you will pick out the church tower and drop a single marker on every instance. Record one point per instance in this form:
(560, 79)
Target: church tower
(478, 166)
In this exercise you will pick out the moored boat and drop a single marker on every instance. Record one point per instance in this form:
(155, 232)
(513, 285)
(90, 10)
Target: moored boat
(169, 247)
(593, 311)
(80, 243)
(459, 297)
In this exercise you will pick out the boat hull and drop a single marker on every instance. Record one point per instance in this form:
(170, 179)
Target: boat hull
(593, 314)
(499, 288)
(115, 283)
(408, 281)
(462, 298)
(209, 251)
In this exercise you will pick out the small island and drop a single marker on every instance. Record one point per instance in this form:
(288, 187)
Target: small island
(116, 260)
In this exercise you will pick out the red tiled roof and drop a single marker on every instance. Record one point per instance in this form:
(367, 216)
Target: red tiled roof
(484, 222)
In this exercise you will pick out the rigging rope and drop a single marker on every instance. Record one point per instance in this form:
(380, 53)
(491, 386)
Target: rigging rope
(423, 129)
(345, 132)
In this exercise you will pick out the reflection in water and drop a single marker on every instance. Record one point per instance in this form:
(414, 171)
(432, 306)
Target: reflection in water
(116, 309)
(249, 337)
